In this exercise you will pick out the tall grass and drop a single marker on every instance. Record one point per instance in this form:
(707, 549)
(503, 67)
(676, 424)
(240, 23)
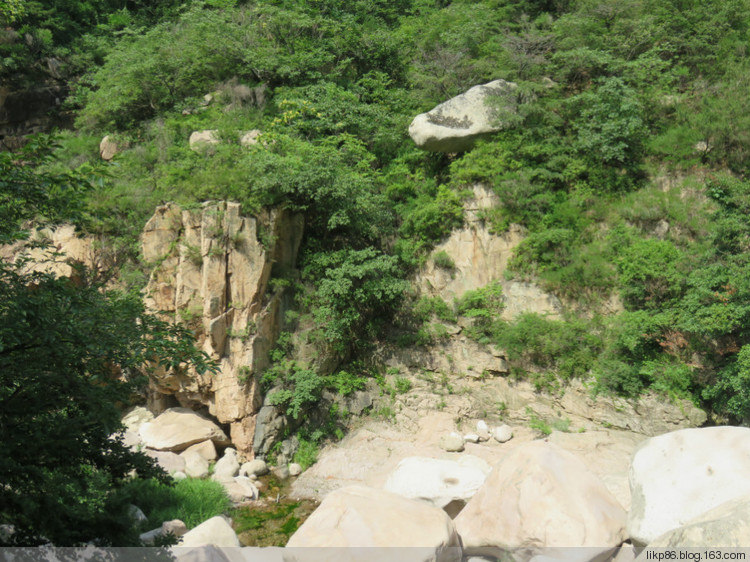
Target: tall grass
(191, 501)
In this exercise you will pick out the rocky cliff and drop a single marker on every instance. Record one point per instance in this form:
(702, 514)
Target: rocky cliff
(211, 271)
(480, 257)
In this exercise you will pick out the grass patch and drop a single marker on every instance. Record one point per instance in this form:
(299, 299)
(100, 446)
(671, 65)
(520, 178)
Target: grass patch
(192, 501)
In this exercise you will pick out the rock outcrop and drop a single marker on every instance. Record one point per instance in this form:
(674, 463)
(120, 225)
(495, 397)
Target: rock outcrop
(65, 250)
(679, 476)
(481, 257)
(211, 272)
(455, 125)
(216, 531)
(109, 148)
(202, 140)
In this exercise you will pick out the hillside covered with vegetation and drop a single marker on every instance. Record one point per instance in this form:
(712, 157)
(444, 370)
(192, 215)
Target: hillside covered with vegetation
(626, 164)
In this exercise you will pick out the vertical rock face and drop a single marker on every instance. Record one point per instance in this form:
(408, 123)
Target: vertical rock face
(211, 272)
(480, 257)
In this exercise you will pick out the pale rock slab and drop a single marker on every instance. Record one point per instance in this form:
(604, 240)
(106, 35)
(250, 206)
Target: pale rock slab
(206, 449)
(540, 496)
(679, 476)
(216, 531)
(178, 428)
(240, 489)
(136, 417)
(481, 257)
(455, 125)
(356, 516)
(171, 462)
(727, 525)
(442, 483)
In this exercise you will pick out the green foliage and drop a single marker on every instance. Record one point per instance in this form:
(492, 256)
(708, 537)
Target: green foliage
(356, 290)
(60, 388)
(432, 215)
(171, 61)
(403, 385)
(28, 193)
(650, 273)
(569, 348)
(426, 307)
(546, 427)
(191, 500)
(609, 124)
(483, 305)
(442, 260)
(345, 383)
(307, 454)
(301, 387)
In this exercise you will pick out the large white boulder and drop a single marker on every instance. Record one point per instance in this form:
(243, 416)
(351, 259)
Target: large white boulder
(356, 516)
(178, 428)
(727, 525)
(541, 496)
(216, 531)
(678, 476)
(446, 484)
(455, 125)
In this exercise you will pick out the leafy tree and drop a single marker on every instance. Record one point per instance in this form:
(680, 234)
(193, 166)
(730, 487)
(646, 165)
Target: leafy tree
(356, 290)
(610, 127)
(71, 353)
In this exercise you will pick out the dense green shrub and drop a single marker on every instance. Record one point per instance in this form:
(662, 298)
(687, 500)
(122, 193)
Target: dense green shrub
(356, 291)
(569, 348)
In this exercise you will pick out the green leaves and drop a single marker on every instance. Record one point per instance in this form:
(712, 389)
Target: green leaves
(26, 193)
(609, 124)
(355, 291)
(68, 355)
